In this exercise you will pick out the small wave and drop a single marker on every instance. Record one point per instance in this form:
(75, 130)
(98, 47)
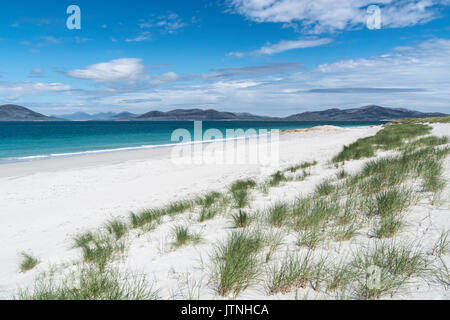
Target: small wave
(119, 149)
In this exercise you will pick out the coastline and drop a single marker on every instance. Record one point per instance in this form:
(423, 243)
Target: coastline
(81, 138)
(48, 202)
(28, 165)
(61, 198)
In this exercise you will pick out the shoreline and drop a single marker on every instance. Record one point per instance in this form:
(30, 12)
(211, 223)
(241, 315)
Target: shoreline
(120, 149)
(45, 210)
(47, 202)
(115, 156)
(124, 148)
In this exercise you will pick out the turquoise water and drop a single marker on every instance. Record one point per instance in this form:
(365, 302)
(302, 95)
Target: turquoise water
(24, 141)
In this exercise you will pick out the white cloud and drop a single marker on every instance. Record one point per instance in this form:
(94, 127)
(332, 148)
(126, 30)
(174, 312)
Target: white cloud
(171, 23)
(15, 90)
(165, 78)
(253, 71)
(43, 41)
(236, 54)
(167, 23)
(286, 45)
(144, 36)
(320, 16)
(47, 40)
(415, 77)
(126, 69)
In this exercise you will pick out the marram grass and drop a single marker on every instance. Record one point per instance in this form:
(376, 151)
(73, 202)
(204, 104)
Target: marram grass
(90, 284)
(235, 262)
(28, 262)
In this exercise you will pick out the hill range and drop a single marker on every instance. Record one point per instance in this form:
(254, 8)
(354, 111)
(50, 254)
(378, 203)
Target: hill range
(11, 112)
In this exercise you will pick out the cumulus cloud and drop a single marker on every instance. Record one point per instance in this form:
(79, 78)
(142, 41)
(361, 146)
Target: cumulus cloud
(286, 45)
(320, 16)
(126, 69)
(415, 77)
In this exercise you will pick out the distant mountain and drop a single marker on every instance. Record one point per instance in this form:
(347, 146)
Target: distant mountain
(194, 114)
(246, 115)
(124, 115)
(103, 116)
(78, 116)
(368, 113)
(11, 112)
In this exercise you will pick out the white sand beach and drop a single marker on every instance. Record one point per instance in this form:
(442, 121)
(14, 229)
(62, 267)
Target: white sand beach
(44, 204)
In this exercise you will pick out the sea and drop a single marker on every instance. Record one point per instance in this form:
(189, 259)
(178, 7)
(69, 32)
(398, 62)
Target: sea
(30, 141)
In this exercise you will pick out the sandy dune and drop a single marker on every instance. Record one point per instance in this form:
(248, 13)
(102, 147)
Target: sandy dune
(45, 203)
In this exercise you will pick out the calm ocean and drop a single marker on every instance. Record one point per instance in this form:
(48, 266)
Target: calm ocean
(25, 141)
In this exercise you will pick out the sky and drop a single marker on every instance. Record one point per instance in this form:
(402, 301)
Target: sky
(267, 57)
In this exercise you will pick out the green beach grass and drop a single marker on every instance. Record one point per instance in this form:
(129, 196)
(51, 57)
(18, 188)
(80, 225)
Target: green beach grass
(372, 203)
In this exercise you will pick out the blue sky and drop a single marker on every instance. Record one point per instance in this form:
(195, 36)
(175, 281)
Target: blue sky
(272, 57)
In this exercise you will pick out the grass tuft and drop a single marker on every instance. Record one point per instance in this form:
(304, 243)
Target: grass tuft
(309, 213)
(235, 262)
(388, 226)
(117, 228)
(340, 276)
(240, 192)
(241, 199)
(184, 237)
(276, 179)
(208, 213)
(310, 238)
(83, 240)
(303, 166)
(278, 214)
(146, 217)
(178, 207)
(241, 219)
(90, 284)
(386, 267)
(345, 233)
(208, 200)
(393, 201)
(442, 274)
(98, 249)
(342, 174)
(442, 246)
(242, 185)
(293, 272)
(393, 136)
(433, 177)
(28, 262)
(324, 189)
